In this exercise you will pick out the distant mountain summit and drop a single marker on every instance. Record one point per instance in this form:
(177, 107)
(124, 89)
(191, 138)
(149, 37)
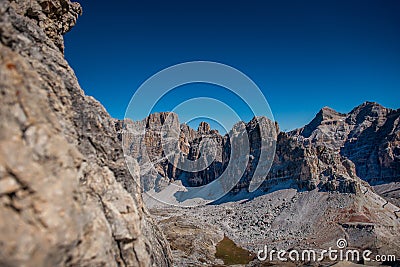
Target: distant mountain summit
(324, 117)
(369, 136)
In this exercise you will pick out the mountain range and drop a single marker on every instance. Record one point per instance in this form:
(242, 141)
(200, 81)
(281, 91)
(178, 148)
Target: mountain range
(68, 189)
(337, 177)
(332, 152)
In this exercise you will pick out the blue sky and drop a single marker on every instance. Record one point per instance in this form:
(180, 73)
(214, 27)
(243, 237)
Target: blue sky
(303, 55)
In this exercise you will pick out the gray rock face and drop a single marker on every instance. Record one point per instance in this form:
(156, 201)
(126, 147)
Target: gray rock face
(54, 17)
(330, 153)
(194, 145)
(306, 165)
(311, 167)
(369, 136)
(66, 196)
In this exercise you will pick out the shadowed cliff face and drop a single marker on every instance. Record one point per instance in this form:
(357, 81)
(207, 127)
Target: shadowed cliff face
(304, 166)
(369, 136)
(192, 144)
(66, 196)
(330, 153)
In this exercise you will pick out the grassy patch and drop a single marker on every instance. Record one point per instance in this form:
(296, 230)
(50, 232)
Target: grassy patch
(231, 254)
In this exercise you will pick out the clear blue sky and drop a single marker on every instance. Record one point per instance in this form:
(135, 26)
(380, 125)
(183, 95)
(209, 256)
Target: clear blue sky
(302, 54)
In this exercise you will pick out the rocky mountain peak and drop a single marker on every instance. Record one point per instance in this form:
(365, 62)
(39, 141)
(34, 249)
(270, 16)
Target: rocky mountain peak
(328, 113)
(325, 116)
(156, 120)
(369, 105)
(203, 128)
(367, 135)
(367, 111)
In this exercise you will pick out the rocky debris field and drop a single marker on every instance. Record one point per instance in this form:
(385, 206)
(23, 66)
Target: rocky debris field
(288, 219)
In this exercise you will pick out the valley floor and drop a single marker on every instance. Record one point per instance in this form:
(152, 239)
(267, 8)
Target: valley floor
(282, 219)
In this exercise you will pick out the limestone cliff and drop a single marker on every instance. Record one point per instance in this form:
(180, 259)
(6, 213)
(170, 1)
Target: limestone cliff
(369, 136)
(306, 166)
(66, 196)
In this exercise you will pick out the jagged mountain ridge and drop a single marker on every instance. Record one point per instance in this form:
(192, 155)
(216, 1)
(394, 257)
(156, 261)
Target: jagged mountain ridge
(190, 143)
(332, 152)
(369, 136)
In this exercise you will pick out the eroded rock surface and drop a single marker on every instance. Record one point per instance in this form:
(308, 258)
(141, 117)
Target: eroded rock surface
(331, 153)
(369, 136)
(66, 196)
(309, 166)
